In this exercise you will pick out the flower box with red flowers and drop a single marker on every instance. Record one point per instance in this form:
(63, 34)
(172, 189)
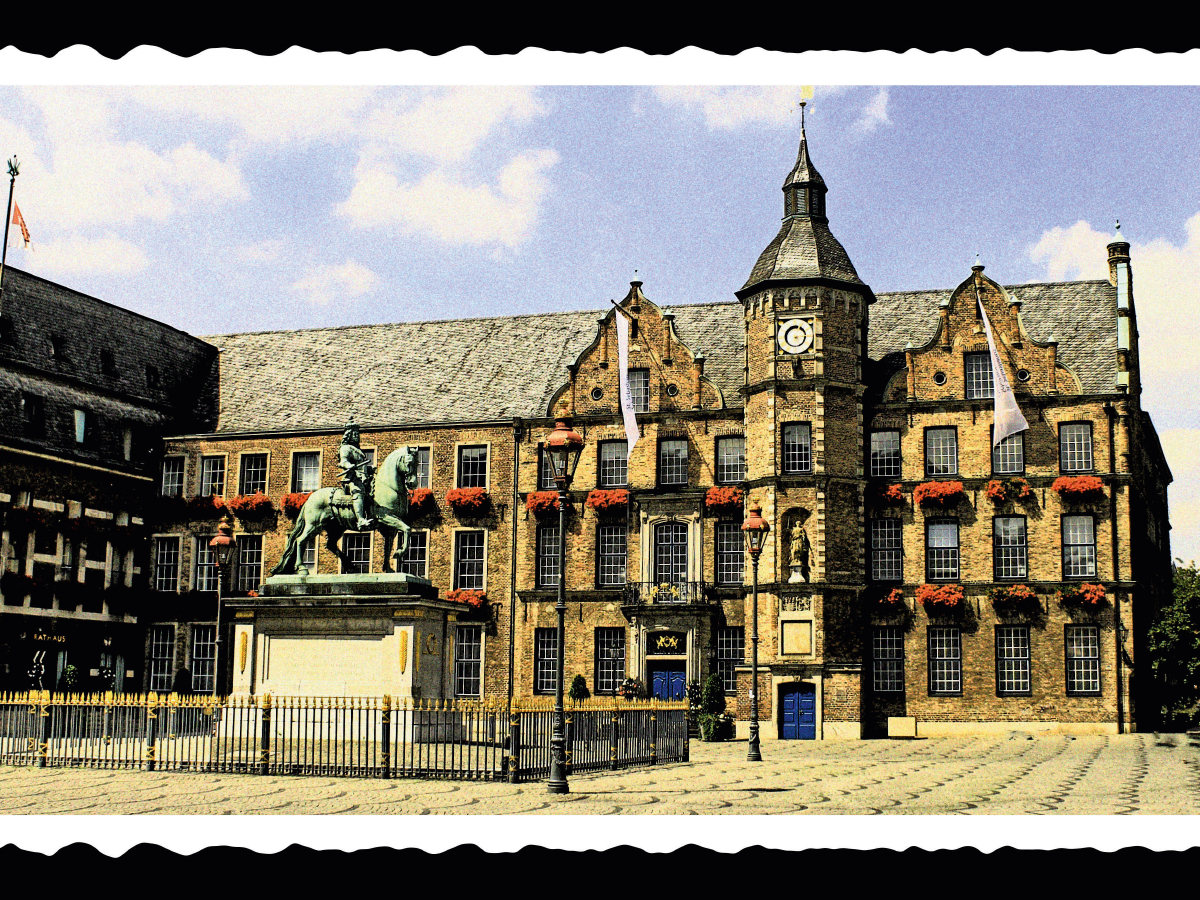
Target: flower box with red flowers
(474, 599)
(22, 519)
(1002, 490)
(939, 494)
(293, 503)
(210, 507)
(468, 501)
(1014, 598)
(891, 602)
(1083, 596)
(940, 598)
(885, 495)
(252, 506)
(542, 503)
(1078, 487)
(420, 502)
(724, 500)
(608, 503)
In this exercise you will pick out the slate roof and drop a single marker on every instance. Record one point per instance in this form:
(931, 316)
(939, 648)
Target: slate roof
(497, 368)
(1082, 315)
(464, 370)
(804, 172)
(804, 248)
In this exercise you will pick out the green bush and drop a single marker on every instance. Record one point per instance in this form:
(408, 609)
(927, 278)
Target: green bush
(712, 696)
(579, 689)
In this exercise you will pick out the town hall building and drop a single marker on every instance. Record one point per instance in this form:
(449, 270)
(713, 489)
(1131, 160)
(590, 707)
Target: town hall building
(916, 579)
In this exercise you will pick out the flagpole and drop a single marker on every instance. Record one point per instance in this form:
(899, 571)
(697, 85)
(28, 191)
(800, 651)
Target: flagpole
(14, 169)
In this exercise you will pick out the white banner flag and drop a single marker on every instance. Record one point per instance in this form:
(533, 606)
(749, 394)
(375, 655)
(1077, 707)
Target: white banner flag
(1007, 419)
(632, 434)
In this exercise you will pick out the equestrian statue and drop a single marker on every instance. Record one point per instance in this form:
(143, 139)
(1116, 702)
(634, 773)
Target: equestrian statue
(369, 499)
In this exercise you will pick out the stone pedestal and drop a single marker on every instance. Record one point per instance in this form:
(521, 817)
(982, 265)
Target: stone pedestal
(344, 636)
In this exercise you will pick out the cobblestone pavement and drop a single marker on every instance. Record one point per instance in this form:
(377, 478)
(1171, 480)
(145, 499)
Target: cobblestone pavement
(1001, 774)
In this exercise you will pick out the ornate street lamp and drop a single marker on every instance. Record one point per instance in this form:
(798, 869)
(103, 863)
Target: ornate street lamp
(223, 546)
(563, 447)
(755, 529)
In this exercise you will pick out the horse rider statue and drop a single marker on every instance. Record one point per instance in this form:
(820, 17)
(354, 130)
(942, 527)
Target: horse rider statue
(356, 475)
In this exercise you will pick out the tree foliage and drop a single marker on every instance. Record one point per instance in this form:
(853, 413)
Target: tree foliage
(1175, 646)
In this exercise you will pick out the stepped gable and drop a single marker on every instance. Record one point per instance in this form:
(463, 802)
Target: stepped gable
(1081, 315)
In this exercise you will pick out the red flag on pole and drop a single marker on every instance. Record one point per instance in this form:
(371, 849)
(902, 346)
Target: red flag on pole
(19, 221)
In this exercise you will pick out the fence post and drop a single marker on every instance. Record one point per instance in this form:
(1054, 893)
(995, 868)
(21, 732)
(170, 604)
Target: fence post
(612, 739)
(687, 740)
(514, 743)
(385, 734)
(44, 722)
(264, 742)
(151, 729)
(570, 734)
(653, 736)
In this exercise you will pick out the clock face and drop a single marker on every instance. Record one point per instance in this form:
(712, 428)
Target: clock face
(795, 336)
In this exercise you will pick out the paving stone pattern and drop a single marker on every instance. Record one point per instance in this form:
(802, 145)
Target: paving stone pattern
(1012, 775)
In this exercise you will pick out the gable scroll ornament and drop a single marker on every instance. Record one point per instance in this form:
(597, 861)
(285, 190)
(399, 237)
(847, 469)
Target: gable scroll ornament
(369, 500)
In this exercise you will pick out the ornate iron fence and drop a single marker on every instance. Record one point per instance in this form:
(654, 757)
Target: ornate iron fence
(366, 737)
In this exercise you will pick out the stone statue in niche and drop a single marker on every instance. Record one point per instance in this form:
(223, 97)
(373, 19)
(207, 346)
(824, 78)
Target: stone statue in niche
(800, 548)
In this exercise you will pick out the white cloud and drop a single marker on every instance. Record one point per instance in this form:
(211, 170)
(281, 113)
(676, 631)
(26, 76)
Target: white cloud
(346, 281)
(266, 251)
(76, 255)
(1181, 446)
(735, 106)
(449, 208)
(1078, 252)
(874, 113)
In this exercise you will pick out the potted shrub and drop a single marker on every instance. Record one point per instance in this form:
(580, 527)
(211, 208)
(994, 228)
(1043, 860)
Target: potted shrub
(293, 503)
(938, 494)
(420, 501)
(468, 501)
(1078, 487)
(1014, 598)
(631, 689)
(723, 500)
(880, 495)
(579, 689)
(1083, 596)
(607, 503)
(714, 724)
(943, 598)
(251, 506)
(542, 503)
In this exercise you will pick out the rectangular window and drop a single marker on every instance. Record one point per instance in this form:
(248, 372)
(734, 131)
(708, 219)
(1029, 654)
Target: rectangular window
(941, 550)
(945, 661)
(172, 476)
(639, 387)
(1079, 547)
(249, 571)
(546, 480)
(358, 548)
(731, 459)
(547, 556)
(422, 467)
(81, 426)
(162, 657)
(941, 451)
(885, 454)
(33, 415)
(614, 464)
(308, 553)
(1012, 660)
(978, 372)
(887, 657)
(1083, 659)
(1009, 550)
(673, 461)
(797, 448)
(611, 555)
(212, 476)
(206, 565)
(472, 467)
(1075, 447)
(887, 550)
(468, 660)
(204, 646)
(306, 472)
(1008, 456)
(253, 477)
(416, 557)
(610, 659)
(730, 560)
(468, 561)
(545, 658)
(731, 653)
(166, 564)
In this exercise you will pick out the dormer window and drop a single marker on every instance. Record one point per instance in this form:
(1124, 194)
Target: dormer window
(108, 363)
(58, 348)
(151, 377)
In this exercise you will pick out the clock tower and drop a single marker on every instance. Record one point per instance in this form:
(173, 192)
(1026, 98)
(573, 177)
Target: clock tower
(806, 326)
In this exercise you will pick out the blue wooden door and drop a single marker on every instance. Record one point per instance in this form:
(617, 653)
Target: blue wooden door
(798, 708)
(668, 681)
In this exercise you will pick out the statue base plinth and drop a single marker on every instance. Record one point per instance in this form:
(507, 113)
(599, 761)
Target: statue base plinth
(797, 576)
(380, 585)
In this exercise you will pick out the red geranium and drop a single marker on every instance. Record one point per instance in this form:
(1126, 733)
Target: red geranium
(211, 506)
(1086, 595)
(542, 503)
(607, 502)
(885, 495)
(468, 501)
(939, 494)
(943, 597)
(1016, 596)
(473, 599)
(292, 503)
(1078, 487)
(723, 498)
(246, 506)
(893, 600)
(420, 501)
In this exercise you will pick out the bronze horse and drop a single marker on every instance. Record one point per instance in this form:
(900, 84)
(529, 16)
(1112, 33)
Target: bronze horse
(393, 481)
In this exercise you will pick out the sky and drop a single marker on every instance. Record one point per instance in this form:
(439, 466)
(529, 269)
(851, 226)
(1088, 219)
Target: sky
(296, 204)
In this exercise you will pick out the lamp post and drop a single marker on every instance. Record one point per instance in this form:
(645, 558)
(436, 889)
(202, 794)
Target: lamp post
(14, 169)
(222, 546)
(755, 529)
(563, 447)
